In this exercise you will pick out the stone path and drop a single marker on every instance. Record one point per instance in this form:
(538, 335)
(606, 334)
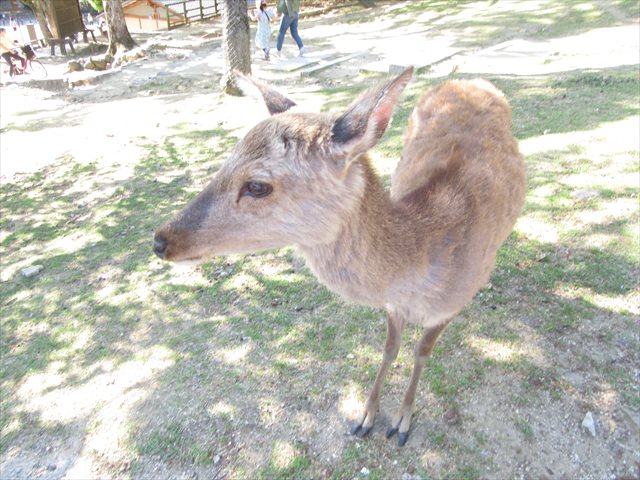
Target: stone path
(598, 48)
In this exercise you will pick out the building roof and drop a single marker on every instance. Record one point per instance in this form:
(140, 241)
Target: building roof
(153, 3)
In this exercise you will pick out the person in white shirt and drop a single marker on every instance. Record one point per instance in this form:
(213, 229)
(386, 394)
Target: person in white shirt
(8, 51)
(263, 15)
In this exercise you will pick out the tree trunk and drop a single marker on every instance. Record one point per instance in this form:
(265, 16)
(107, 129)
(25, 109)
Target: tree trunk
(39, 8)
(119, 36)
(236, 44)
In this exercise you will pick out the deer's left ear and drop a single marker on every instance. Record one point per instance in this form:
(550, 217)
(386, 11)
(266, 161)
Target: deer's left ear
(361, 126)
(273, 100)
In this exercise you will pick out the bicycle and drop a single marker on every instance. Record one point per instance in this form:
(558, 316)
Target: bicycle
(33, 66)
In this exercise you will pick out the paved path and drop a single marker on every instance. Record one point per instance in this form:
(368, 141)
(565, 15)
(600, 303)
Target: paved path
(188, 60)
(342, 43)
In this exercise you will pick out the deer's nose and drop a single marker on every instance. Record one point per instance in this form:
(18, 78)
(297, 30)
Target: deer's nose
(159, 245)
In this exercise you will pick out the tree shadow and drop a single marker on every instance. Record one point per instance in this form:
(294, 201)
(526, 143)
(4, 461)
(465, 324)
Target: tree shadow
(75, 320)
(263, 355)
(47, 119)
(275, 375)
(491, 24)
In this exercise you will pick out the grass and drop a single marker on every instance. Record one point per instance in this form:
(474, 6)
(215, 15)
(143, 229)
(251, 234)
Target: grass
(525, 428)
(248, 360)
(493, 21)
(298, 467)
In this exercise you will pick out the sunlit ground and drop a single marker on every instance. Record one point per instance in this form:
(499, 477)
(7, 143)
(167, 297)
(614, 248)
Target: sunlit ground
(115, 364)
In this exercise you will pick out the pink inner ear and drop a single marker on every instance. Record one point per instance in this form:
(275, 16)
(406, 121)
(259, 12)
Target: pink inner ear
(382, 114)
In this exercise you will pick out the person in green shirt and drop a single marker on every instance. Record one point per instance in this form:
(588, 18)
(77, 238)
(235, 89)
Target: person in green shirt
(290, 10)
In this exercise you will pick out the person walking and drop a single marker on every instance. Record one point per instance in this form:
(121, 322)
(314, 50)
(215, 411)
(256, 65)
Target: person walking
(263, 16)
(290, 10)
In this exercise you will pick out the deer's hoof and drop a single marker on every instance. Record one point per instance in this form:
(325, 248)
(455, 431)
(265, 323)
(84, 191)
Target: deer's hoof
(360, 430)
(402, 436)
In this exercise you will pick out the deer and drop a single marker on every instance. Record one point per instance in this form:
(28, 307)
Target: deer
(420, 250)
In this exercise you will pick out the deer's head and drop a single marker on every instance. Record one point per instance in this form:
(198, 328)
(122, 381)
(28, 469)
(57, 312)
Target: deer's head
(291, 180)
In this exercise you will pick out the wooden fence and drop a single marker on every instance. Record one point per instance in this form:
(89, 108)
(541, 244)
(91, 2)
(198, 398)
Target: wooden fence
(191, 10)
(194, 10)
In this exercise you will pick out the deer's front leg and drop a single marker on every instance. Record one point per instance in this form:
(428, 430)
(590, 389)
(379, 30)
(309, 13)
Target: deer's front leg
(391, 348)
(402, 420)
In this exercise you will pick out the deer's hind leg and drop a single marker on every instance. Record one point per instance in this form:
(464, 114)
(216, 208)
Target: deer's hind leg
(395, 326)
(402, 420)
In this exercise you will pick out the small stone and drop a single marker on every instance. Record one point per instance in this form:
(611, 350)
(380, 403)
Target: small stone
(133, 55)
(98, 65)
(74, 66)
(542, 257)
(589, 424)
(31, 271)
(216, 459)
(350, 356)
(633, 419)
(452, 416)
(51, 467)
(584, 195)
(364, 471)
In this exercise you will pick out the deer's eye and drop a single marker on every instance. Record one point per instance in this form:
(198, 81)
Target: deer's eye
(256, 189)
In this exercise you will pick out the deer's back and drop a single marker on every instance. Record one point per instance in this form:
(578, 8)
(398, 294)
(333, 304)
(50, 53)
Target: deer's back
(462, 179)
(467, 118)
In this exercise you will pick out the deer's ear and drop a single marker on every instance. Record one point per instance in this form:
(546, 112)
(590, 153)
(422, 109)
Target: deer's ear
(361, 126)
(273, 100)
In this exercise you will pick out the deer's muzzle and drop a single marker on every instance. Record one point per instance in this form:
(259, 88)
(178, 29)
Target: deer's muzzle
(159, 245)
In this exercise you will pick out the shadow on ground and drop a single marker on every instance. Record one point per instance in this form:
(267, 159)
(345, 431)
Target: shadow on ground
(247, 367)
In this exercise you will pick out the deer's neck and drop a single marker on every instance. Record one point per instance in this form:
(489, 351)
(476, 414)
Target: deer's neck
(363, 257)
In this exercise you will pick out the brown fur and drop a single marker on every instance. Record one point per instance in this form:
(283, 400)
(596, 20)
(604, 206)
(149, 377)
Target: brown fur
(421, 251)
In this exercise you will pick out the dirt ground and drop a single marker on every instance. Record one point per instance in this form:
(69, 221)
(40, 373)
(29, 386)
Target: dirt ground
(97, 118)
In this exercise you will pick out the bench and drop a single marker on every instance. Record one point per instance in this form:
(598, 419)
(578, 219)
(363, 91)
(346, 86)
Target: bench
(53, 42)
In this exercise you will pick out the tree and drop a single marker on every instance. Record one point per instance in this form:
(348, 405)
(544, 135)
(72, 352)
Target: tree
(119, 36)
(96, 5)
(39, 8)
(236, 44)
